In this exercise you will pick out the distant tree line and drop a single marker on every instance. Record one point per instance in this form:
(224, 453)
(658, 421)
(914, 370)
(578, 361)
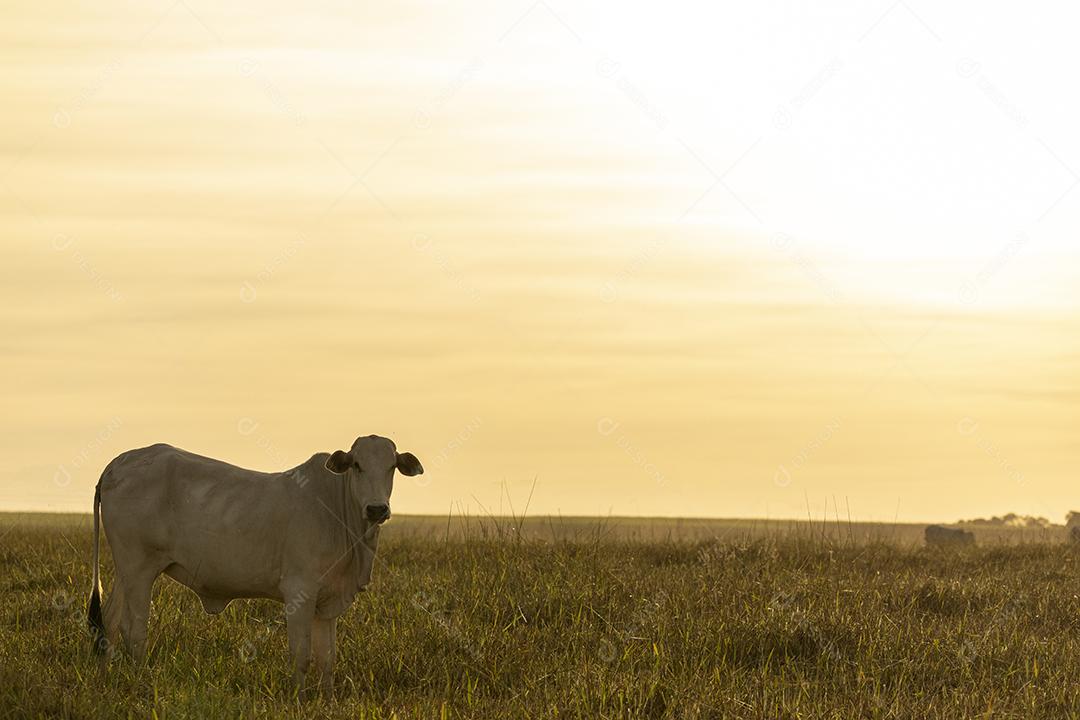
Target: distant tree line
(1015, 521)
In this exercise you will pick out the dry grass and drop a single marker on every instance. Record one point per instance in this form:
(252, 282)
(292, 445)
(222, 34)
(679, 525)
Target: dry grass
(487, 623)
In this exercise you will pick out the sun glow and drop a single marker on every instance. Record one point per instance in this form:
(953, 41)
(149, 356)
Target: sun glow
(247, 231)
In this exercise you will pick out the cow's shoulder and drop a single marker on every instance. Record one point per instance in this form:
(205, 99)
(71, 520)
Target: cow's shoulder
(312, 474)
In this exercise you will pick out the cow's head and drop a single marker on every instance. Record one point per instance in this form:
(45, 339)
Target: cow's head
(369, 468)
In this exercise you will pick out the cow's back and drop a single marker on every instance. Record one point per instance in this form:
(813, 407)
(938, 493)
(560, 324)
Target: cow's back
(162, 480)
(163, 461)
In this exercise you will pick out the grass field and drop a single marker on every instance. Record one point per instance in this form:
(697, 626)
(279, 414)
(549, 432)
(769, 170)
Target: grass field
(586, 618)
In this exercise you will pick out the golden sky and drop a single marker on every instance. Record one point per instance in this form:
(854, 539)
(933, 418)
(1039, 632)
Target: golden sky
(655, 261)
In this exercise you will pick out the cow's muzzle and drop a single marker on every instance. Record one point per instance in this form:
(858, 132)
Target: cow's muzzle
(377, 513)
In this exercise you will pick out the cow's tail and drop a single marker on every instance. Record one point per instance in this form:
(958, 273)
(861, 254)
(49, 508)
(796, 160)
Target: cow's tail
(95, 619)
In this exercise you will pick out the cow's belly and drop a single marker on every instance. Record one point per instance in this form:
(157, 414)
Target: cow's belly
(228, 573)
(217, 591)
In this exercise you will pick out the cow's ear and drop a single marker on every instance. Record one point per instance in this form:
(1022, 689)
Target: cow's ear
(407, 464)
(339, 462)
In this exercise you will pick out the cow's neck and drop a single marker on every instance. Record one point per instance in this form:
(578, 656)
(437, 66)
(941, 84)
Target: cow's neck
(360, 548)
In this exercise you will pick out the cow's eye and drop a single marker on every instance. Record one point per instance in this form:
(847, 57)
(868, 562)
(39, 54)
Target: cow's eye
(357, 466)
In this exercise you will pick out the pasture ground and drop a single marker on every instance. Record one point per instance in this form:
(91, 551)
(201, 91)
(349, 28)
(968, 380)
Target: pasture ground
(585, 618)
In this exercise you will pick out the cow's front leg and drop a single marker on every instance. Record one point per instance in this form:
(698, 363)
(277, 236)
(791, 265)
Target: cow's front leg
(323, 640)
(299, 615)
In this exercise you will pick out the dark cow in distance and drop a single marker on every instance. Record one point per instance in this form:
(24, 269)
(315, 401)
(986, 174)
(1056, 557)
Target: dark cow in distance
(938, 536)
(1072, 524)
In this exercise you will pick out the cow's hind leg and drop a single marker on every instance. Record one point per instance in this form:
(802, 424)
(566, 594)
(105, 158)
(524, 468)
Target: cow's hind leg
(138, 583)
(114, 615)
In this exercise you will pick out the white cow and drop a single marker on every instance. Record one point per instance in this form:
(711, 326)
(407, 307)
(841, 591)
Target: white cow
(306, 537)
